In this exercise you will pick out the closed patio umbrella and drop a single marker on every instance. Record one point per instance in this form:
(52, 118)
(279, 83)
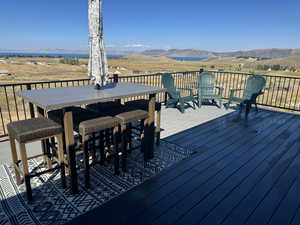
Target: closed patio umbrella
(97, 67)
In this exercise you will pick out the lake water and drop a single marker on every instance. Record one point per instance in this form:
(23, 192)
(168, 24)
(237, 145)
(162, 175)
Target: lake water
(188, 58)
(54, 55)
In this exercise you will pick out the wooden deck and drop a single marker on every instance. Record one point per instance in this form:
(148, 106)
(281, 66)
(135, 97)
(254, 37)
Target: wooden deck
(241, 173)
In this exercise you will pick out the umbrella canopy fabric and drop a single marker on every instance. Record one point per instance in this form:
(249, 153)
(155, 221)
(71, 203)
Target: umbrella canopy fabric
(97, 67)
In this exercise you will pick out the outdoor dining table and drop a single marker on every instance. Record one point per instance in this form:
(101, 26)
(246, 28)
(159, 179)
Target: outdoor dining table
(63, 98)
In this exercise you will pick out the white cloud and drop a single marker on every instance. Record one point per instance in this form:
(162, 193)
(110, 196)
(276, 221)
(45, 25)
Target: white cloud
(129, 47)
(136, 46)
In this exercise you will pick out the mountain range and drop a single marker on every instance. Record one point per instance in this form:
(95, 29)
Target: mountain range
(261, 53)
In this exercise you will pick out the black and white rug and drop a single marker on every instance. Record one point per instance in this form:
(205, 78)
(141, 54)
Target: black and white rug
(54, 205)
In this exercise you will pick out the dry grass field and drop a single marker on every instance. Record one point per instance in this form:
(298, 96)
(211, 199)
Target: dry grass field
(24, 69)
(47, 69)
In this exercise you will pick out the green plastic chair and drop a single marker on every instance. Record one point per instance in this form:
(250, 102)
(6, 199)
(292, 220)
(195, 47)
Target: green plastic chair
(254, 88)
(208, 90)
(176, 97)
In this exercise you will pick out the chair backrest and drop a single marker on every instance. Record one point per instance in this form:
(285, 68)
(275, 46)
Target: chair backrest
(168, 83)
(206, 83)
(254, 85)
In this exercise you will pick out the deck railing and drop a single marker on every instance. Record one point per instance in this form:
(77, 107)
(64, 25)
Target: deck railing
(280, 92)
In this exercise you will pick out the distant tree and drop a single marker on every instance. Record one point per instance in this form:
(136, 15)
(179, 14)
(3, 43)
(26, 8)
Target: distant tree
(260, 67)
(276, 67)
(266, 67)
(212, 66)
(293, 69)
(70, 61)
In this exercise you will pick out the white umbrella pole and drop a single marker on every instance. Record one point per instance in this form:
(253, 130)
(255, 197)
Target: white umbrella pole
(97, 67)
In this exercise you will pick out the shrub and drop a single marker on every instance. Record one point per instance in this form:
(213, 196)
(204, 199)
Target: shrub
(70, 61)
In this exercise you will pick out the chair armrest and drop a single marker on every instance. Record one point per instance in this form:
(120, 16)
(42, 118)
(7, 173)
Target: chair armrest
(220, 90)
(185, 89)
(255, 95)
(236, 89)
(232, 91)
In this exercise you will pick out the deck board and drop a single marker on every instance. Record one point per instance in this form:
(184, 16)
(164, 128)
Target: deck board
(241, 173)
(214, 169)
(210, 193)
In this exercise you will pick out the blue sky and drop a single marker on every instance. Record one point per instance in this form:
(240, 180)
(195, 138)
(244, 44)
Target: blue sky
(218, 25)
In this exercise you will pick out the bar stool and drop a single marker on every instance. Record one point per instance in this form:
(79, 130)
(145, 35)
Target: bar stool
(126, 119)
(78, 114)
(27, 131)
(143, 105)
(104, 108)
(115, 109)
(89, 127)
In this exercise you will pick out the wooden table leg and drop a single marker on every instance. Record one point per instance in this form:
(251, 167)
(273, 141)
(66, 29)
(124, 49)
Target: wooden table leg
(45, 143)
(150, 128)
(70, 148)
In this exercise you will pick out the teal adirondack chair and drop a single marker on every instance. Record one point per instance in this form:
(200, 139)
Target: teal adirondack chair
(254, 88)
(176, 96)
(208, 90)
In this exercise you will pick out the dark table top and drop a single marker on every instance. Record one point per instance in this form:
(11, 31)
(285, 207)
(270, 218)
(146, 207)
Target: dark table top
(57, 98)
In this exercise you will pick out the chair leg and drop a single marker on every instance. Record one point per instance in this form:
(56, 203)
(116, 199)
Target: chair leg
(129, 137)
(124, 148)
(181, 106)
(26, 171)
(143, 141)
(86, 160)
(248, 107)
(142, 135)
(228, 104)
(194, 105)
(157, 129)
(107, 139)
(60, 153)
(102, 155)
(221, 103)
(199, 102)
(48, 154)
(241, 107)
(14, 155)
(94, 158)
(116, 151)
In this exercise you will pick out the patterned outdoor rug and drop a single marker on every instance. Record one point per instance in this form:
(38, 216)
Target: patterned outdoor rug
(54, 205)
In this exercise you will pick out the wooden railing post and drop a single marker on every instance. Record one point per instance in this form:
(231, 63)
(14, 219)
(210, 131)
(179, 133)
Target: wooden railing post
(31, 108)
(116, 77)
(116, 80)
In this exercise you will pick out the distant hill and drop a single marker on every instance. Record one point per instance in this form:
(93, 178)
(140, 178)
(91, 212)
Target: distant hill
(179, 53)
(260, 53)
(272, 53)
(263, 53)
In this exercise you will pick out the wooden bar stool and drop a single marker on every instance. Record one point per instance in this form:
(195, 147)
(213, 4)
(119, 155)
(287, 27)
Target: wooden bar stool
(143, 105)
(26, 131)
(87, 129)
(126, 119)
(78, 114)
